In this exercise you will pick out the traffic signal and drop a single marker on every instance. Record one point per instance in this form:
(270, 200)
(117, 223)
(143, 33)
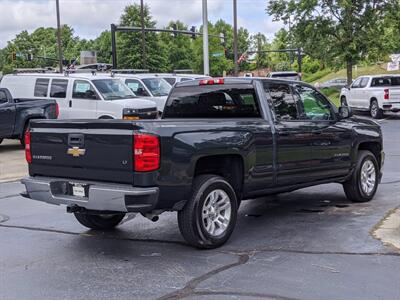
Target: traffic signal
(29, 57)
(174, 28)
(13, 56)
(193, 30)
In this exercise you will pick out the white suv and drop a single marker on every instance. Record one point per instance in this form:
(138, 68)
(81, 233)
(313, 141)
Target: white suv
(82, 96)
(375, 93)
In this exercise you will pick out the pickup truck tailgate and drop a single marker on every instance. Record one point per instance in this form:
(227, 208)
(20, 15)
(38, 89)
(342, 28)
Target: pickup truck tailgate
(100, 150)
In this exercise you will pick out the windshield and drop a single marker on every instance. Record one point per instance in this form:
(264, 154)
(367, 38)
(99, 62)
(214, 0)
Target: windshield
(113, 89)
(157, 86)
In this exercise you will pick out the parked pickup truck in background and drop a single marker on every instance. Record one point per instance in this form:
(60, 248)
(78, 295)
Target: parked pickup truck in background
(220, 141)
(15, 114)
(376, 94)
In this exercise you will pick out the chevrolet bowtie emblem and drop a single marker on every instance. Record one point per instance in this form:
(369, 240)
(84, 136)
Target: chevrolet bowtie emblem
(76, 151)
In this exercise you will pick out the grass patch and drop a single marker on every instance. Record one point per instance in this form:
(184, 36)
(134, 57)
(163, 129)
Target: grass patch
(332, 94)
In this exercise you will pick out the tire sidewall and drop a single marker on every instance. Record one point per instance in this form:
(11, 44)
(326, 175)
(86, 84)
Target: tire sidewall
(371, 158)
(376, 115)
(200, 197)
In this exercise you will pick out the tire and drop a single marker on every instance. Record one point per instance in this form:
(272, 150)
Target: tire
(353, 188)
(375, 111)
(194, 219)
(1, 140)
(343, 101)
(99, 221)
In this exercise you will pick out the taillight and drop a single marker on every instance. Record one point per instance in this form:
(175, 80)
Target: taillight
(57, 110)
(211, 81)
(386, 94)
(28, 154)
(146, 152)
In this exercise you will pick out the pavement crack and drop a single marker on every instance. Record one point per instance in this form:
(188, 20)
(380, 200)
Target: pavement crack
(93, 235)
(241, 294)
(311, 252)
(10, 196)
(190, 288)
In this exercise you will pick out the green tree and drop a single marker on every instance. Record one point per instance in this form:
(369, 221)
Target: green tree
(345, 29)
(180, 51)
(129, 43)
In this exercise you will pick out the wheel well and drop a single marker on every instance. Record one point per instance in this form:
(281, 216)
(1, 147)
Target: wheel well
(105, 118)
(373, 99)
(26, 124)
(374, 147)
(228, 166)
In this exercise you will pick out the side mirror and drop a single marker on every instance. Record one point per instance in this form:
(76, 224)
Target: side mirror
(345, 112)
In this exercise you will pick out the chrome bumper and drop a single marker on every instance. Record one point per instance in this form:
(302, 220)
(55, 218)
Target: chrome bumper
(101, 196)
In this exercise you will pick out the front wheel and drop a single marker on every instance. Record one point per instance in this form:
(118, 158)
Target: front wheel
(375, 111)
(209, 217)
(362, 185)
(102, 222)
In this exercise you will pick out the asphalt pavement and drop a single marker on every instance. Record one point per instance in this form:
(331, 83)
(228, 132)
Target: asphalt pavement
(308, 244)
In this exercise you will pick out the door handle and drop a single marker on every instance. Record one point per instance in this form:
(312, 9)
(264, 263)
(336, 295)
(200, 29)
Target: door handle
(70, 103)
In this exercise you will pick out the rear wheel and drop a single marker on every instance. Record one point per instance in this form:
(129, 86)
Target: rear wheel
(362, 185)
(209, 217)
(375, 111)
(103, 222)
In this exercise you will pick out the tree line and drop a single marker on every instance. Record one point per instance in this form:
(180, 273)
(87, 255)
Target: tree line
(332, 34)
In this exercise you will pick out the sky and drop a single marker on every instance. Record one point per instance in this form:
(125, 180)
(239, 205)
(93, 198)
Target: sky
(90, 17)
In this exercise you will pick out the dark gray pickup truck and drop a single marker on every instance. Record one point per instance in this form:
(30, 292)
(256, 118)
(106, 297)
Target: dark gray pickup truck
(15, 114)
(220, 141)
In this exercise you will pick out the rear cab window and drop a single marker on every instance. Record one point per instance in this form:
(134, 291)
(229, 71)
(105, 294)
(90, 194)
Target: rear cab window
(41, 87)
(213, 101)
(385, 81)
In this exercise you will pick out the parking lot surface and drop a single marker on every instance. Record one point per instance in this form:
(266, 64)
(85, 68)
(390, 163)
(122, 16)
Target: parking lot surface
(308, 244)
(12, 161)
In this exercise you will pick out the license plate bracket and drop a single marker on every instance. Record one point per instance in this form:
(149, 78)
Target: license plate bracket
(78, 189)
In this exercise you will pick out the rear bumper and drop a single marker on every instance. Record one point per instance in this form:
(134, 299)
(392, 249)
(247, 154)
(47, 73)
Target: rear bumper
(101, 196)
(391, 106)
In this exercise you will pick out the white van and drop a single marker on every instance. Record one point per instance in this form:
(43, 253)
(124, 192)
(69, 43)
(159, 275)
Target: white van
(82, 96)
(149, 86)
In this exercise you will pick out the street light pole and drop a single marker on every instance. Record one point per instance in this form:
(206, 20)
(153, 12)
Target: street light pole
(144, 60)
(60, 54)
(235, 38)
(205, 40)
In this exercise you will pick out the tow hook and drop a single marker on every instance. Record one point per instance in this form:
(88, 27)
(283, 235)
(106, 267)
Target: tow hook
(74, 208)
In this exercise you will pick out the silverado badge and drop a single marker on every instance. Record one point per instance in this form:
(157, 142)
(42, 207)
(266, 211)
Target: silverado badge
(76, 151)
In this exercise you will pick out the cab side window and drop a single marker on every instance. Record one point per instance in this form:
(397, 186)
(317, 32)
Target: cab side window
(364, 82)
(313, 105)
(3, 97)
(41, 87)
(356, 84)
(137, 87)
(83, 90)
(283, 102)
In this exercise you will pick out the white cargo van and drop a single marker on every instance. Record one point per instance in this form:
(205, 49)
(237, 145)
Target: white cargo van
(82, 96)
(149, 86)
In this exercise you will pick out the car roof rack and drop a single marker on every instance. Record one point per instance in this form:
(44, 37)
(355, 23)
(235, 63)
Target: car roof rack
(80, 71)
(33, 70)
(130, 71)
(183, 71)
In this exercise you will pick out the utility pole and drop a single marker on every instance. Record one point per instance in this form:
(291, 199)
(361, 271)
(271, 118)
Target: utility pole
(144, 60)
(60, 54)
(205, 40)
(235, 38)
